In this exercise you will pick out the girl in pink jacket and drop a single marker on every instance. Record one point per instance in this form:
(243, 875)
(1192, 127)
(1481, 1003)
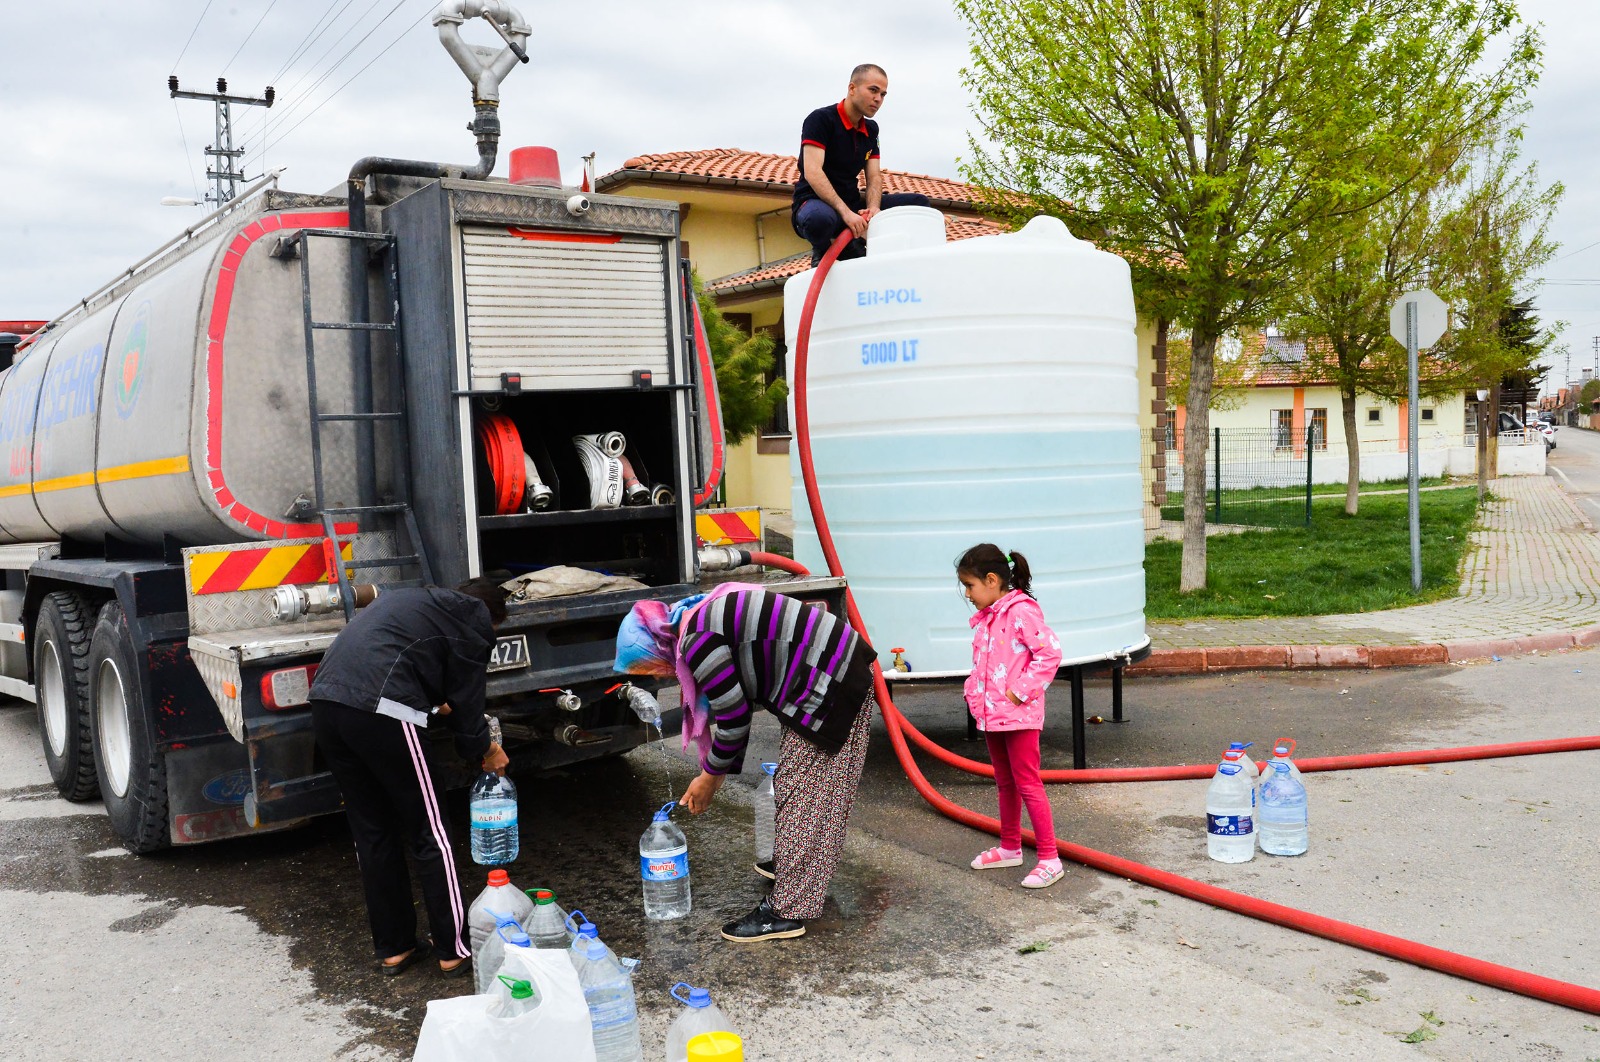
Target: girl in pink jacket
(1014, 660)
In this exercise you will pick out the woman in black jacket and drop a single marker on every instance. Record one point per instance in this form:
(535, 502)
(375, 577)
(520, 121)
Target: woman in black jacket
(414, 655)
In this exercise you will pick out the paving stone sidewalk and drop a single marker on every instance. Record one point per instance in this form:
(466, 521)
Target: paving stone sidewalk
(1531, 572)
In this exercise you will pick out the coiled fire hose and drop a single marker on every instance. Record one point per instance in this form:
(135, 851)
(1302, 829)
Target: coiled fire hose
(502, 448)
(1504, 977)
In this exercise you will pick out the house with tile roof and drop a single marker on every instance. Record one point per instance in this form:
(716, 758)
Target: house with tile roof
(735, 209)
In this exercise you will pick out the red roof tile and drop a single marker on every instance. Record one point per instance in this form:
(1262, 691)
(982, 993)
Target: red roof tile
(771, 274)
(777, 172)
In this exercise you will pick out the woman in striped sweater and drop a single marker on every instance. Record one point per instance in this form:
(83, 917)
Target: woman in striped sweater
(740, 648)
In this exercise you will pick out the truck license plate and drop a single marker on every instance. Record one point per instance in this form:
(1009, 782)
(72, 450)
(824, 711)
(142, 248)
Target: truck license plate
(510, 653)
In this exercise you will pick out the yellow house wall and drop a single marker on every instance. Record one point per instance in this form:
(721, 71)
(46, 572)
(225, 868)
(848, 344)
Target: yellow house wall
(754, 478)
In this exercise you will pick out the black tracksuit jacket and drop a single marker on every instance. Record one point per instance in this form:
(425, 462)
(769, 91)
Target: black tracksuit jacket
(421, 647)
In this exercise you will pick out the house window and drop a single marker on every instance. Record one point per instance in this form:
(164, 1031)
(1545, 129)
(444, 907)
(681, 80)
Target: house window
(778, 425)
(1283, 433)
(1317, 421)
(1426, 413)
(1374, 415)
(1172, 428)
(1283, 428)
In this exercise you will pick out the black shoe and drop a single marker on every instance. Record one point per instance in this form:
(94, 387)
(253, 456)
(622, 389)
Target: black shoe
(767, 869)
(763, 924)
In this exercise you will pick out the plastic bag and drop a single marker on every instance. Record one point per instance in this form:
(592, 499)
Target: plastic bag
(462, 1030)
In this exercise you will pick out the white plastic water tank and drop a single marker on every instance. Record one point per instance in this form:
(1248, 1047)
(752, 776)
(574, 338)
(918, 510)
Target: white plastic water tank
(976, 391)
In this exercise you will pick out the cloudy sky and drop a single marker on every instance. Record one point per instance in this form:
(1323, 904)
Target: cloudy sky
(90, 142)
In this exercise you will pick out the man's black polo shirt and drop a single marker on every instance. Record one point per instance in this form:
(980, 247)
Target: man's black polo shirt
(846, 149)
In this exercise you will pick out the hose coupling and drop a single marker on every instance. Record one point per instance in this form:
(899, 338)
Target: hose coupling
(722, 558)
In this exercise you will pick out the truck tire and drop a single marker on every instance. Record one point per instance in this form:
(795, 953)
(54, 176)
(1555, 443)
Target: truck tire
(61, 674)
(133, 774)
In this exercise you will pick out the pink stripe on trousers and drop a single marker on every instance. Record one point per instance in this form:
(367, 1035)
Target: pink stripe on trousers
(440, 838)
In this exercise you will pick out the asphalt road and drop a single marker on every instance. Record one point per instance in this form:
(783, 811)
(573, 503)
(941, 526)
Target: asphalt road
(1575, 464)
(257, 948)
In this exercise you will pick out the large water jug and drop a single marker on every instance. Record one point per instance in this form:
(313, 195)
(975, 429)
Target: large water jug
(608, 989)
(984, 390)
(498, 899)
(486, 964)
(1284, 829)
(546, 924)
(664, 867)
(1245, 759)
(513, 998)
(1230, 828)
(699, 1015)
(766, 813)
(492, 812)
(1283, 751)
(1236, 754)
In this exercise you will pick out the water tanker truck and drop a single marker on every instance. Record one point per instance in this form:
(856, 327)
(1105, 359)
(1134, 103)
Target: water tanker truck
(210, 461)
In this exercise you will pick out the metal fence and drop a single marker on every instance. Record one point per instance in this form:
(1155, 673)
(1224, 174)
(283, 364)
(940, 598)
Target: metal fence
(1257, 477)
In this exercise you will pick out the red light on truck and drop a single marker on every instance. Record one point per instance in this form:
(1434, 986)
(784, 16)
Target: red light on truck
(288, 687)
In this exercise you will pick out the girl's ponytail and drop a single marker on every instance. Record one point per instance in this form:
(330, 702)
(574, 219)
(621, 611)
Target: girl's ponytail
(1021, 576)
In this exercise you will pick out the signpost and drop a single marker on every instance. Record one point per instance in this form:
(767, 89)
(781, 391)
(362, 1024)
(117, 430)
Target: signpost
(1417, 320)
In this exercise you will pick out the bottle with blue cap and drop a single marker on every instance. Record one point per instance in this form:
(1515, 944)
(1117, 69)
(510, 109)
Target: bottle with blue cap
(664, 867)
(1230, 822)
(766, 816)
(492, 814)
(608, 990)
(700, 1015)
(487, 962)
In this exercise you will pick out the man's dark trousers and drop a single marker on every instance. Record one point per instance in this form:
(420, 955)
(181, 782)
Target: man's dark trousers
(393, 804)
(819, 224)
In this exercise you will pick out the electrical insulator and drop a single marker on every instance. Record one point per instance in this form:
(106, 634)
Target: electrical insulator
(270, 95)
(172, 84)
(222, 85)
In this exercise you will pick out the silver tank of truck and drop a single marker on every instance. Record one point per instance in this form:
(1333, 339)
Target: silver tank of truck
(175, 401)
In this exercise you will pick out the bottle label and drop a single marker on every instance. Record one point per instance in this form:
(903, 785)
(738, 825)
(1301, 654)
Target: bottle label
(665, 866)
(493, 818)
(1229, 825)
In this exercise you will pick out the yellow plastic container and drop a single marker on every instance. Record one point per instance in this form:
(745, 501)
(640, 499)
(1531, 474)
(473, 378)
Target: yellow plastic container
(716, 1047)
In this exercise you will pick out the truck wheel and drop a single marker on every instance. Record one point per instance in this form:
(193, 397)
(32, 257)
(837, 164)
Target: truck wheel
(133, 775)
(61, 674)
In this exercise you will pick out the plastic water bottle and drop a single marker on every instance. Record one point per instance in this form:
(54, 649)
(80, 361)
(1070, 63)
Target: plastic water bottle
(608, 990)
(493, 815)
(512, 998)
(766, 813)
(499, 899)
(486, 964)
(664, 867)
(1236, 754)
(1283, 752)
(1230, 828)
(699, 1016)
(546, 924)
(1284, 828)
(1245, 759)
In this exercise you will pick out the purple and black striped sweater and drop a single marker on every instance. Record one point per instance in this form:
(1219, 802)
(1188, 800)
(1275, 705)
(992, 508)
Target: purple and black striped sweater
(798, 661)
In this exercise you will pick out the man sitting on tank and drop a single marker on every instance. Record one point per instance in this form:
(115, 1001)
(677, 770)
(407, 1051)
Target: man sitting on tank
(836, 143)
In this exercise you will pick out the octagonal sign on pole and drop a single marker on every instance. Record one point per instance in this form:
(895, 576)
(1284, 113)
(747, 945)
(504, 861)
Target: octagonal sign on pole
(1432, 317)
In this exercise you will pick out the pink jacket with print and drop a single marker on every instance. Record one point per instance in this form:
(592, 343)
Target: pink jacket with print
(1012, 650)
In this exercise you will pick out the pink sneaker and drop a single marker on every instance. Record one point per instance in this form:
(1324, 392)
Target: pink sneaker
(1043, 876)
(995, 858)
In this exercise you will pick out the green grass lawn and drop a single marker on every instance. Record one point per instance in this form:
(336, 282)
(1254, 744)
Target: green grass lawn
(1340, 564)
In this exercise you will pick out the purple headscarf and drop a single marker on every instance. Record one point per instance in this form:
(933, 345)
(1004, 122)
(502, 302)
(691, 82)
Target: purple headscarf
(647, 644)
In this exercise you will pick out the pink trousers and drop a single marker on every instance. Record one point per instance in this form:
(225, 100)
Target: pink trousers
(1015, 755)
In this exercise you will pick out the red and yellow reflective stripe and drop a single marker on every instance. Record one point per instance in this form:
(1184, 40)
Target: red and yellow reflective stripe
(259, 568)
(728, 527)
(164, 466)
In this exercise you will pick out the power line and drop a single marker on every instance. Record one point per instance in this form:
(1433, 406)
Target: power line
(418, 21)
(193, 181)
(314, 34)
(247, 36)
(1580, 250)
(297, 100)
(192, 32)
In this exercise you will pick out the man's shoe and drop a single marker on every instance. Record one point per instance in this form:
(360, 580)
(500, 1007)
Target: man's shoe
(763, 924)
(767, 869)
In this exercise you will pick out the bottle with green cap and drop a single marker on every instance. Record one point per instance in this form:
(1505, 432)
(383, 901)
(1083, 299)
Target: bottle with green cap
(546, 924)
(512, 997)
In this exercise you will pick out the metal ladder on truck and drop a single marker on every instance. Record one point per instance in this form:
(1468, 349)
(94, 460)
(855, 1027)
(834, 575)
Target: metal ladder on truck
(397, 513)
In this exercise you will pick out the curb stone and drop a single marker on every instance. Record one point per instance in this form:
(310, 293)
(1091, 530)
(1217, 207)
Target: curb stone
(1332, 657)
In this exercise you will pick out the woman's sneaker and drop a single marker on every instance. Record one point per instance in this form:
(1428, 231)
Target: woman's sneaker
(996, 858)
(763, 924)
(767, 869)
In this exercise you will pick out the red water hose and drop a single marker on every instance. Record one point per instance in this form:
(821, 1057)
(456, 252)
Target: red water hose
(1503, 977)
(779, 561)
(502, 449)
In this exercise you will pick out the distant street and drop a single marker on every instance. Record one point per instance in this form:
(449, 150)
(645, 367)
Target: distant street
(1575, 464)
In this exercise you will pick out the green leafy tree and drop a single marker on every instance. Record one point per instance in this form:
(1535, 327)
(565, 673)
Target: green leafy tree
(1588, 393)
(743, 363)
(1204, 140)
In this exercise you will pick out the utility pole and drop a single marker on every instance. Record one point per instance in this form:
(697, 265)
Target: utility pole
(224, 157)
